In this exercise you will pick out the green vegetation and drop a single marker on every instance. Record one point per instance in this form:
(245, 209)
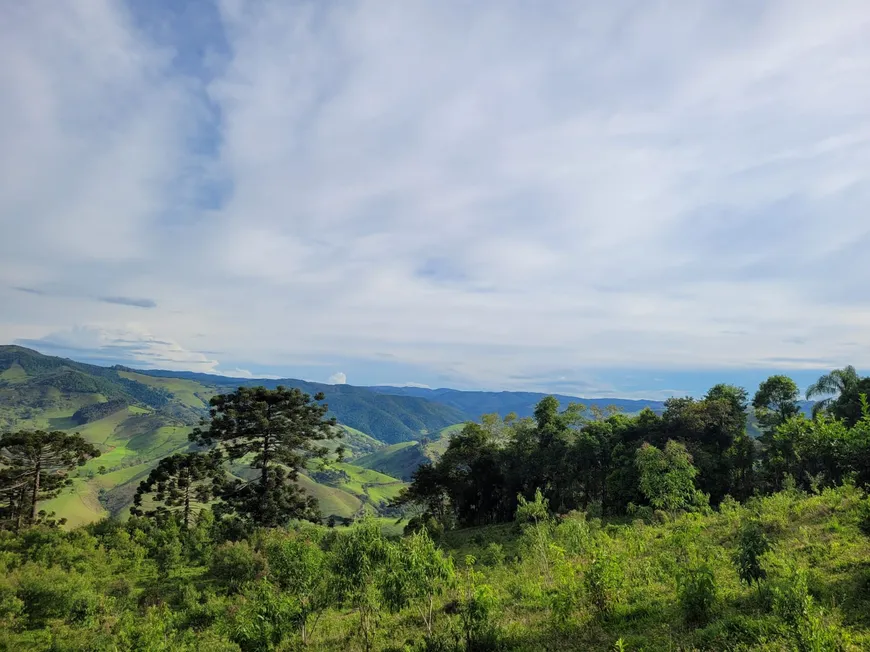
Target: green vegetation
(569, 529)
(34, 466)
(565, 583)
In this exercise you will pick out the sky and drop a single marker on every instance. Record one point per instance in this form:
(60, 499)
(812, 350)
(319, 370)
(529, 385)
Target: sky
(627, 198)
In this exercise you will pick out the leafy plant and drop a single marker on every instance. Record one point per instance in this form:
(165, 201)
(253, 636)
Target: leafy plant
(601, 579)
(697, 593)
(752, 544)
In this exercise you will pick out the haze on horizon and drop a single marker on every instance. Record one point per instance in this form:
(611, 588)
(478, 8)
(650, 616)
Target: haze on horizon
(622, 198)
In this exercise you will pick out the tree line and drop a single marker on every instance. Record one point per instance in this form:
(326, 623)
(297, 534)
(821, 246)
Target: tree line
(691, 456)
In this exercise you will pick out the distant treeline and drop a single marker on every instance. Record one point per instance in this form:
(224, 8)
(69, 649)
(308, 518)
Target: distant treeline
(97, 411)
(595, 462)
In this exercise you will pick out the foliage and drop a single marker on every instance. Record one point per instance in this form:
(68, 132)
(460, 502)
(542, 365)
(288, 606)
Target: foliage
(360, 562)
(751, 546)
(667, 477)
(601, 579)
(235, 563)
(696, 592)
(181, 482)
(299, 568)
(775, 402)
(36, 466)
(275, 429)
(417, 573)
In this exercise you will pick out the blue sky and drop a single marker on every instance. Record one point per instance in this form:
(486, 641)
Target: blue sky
(623, 198)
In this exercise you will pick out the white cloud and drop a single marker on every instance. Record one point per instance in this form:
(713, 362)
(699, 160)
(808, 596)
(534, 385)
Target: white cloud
(338, 378)
(129, 344)
(489, 192)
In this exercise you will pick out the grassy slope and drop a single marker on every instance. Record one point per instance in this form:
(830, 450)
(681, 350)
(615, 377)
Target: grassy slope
(187, 392)
(401, 460)
(819, 533)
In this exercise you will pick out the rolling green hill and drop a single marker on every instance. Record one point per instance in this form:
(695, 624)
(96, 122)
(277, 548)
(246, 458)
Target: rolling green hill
(136, 418)
(402, 459)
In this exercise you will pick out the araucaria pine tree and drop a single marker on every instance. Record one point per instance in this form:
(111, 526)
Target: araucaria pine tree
(276, 430)
(181, 484)
(36, 464)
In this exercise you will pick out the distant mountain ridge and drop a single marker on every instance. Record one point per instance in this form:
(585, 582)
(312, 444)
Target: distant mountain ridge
(386, 417)
(522, 403)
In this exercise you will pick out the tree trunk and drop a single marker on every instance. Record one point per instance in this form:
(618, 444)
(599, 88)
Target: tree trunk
(35, 492)
(19, 508)
(187, 506)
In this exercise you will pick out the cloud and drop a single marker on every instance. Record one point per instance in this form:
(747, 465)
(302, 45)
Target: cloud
(128, 301)
(129, 345)
(30, 291)
(492, 195)
(338, 378)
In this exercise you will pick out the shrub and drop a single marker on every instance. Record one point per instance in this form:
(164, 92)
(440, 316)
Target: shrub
(299, 568)
(696, 593)
(426, 523)
(601, 580)
(864, 516)
(794, 606)
(493, 555)
(574, 534)
(751, 545)
(49, 593)
(235, 563)
(476, 617)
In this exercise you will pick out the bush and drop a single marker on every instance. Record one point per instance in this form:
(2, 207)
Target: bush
(751, 545)
(574, 533)
(476, 617)
(493, 555)
(51, 593)
(601, 579)
(794, 606)
(696, 593)
(235, 563)
(864, 516)
(425, 523)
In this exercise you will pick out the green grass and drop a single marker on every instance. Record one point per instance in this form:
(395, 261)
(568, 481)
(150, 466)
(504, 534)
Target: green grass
(100, 431)
(79, 505)
(332, 500)
(13, 375)
(122, 476)
(187, 392)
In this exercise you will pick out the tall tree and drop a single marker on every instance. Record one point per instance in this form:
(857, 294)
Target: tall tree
(180, 483)
(775, 402)
(832, 385)
(848, 406)
(41, 461)
(667, 477)
(279, 428)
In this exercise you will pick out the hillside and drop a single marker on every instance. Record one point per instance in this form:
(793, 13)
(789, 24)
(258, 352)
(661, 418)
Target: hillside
(135, 419)
(402, 459)
(388, 418)
(521, 403)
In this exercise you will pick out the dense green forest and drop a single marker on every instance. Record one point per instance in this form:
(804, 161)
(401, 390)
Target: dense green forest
(573, 528)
